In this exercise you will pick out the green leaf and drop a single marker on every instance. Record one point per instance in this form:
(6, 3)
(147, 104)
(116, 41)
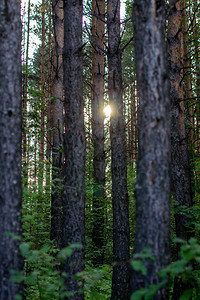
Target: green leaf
(32, 278)
(152, 290)
(139, 265)
(25, 249)
(76, 245)
(64, 253)
(13, 235)
(146, 253)
(180, 241)
(18, 297)
(138, 295)
(17, 277)
(186, 295)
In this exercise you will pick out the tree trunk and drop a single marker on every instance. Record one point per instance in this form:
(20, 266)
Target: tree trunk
(188, 79)
(49, 107)
(25, 94)
(180, 166)
(10, 147)
(98, 31)
(58, 123)
(74, 145)
(42, 85)
(153, 180)
(196, 36)
(120, 278)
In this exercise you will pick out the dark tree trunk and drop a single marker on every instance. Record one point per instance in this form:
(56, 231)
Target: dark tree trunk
(98, 32)
(49, 106)
(24, 103)
(58, 123)
(120, 278)
(74, 144)
(10, 146)
(180, 165)
(153, 180)
(42, 86)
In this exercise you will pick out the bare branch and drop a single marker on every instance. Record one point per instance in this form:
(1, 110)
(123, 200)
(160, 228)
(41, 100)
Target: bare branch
(131, 39)
(93, 40)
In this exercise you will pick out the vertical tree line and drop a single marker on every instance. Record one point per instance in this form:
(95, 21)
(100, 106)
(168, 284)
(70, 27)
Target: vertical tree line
(98, 73)
(10, 147)
(118, 156)
(153, 180)
(74, 145)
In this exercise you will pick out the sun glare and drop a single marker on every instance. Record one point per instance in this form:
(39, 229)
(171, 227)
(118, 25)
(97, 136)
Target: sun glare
(107, 111)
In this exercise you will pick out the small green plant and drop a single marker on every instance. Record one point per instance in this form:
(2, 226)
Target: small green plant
(187, 269)
(42, 276)
(97, 282)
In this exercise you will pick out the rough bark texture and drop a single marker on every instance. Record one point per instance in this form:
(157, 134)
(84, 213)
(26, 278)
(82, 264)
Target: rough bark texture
(180, 165)
(153, 183)
(120, 278)
(49, 107)
(24, 103)
(188, 79)
(10, 146)
(58, 123)
(42, 86)
(98, 32)
(195, 38)
(74, 144)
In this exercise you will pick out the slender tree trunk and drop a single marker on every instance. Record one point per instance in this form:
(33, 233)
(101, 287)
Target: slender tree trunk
(49, 108)
(25, 94)
(153, 180)
(10, 147)
(58, 122)
(133, 125)
(42, 84)
(120, 278)
(74, 145)
(196, 35)
(188, 78)
(98, 31)
(180, 165)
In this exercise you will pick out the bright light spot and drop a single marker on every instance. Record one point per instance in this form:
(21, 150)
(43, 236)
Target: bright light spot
(107, 111)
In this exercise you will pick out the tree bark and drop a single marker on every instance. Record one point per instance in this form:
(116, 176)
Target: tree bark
(58, 122)
(120, 277)
(98, 32)
(49, 106)
(42, 85)
(180, 165)
(153, 180)
(10, 147)
(24, 103)
(74, 145)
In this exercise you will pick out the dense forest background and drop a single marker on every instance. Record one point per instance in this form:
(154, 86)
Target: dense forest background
(110, 151)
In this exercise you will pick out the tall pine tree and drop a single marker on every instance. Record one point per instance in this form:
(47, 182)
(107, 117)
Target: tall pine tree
(10, 147)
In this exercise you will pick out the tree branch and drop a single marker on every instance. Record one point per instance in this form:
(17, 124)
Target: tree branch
(127, 44)
(93, 40)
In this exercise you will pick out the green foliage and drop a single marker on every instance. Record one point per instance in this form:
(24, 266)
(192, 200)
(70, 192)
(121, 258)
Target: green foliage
(44, 280)
(147, 293)
(187, 269)
(97, 282)
(42, 276)
(138, 261)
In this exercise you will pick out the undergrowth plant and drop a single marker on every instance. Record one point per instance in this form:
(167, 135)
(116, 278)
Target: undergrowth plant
(187, 269)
